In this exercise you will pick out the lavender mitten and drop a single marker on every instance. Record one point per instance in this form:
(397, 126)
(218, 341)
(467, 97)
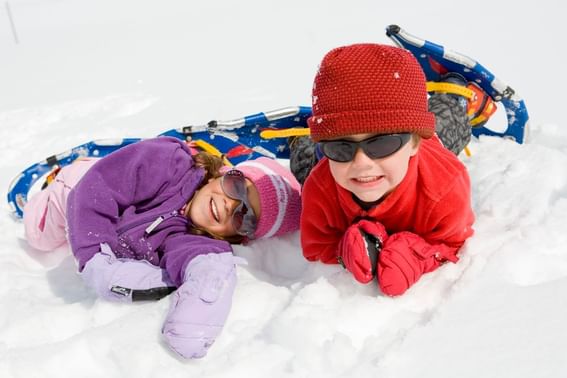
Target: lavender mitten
(125, 280)
(201, 305)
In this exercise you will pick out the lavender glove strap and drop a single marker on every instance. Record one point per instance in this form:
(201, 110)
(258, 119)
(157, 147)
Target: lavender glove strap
(201, 305)
(125, 280)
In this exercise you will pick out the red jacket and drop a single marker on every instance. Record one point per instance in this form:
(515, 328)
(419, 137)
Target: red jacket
(433, 201)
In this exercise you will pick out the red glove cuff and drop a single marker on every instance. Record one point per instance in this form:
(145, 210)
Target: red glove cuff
(375, 229)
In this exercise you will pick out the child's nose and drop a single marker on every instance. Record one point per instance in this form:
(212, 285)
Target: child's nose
(360, 157)
(232, 204)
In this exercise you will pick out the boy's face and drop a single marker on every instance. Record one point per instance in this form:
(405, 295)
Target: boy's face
(372, 179)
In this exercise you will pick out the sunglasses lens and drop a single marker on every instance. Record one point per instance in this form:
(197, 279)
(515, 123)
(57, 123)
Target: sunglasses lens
(238, 216)
(243, 219)
(339, 150)
(234, 185)
(384, 145)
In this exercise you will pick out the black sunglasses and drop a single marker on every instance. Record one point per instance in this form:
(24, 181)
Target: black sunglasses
(244, 221)
(375, 147)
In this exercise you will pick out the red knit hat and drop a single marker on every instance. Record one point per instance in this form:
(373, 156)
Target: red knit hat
(369, 88)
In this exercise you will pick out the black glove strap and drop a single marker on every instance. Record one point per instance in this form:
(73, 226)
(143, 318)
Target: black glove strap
(153, 294)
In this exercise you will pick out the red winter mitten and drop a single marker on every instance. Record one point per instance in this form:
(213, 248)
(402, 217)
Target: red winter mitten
(359, 249)
(405, 258)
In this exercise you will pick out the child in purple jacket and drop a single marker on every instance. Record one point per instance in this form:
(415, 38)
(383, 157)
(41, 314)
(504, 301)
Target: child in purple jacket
(153, 216)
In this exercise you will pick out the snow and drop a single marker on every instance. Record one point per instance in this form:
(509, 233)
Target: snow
(86, 70)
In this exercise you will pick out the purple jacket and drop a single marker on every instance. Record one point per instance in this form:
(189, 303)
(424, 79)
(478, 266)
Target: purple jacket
(131, 200)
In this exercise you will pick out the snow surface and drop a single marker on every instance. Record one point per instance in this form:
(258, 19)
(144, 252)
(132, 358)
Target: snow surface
(86, 70)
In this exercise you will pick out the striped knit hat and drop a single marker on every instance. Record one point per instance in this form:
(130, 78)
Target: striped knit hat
(280, 201)
(369, 88)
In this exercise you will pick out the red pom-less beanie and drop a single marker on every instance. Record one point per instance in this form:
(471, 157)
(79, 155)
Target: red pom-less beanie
(369, 88)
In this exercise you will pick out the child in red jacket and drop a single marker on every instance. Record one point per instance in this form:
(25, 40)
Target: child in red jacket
(388, 199)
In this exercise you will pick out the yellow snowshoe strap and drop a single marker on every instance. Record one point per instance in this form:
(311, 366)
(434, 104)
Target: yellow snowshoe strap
(433, 86)
(489, 109)
(207, 147)
(284, 133)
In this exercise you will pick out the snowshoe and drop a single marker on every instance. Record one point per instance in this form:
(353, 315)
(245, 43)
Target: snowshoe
(235, 140)
(437, 61)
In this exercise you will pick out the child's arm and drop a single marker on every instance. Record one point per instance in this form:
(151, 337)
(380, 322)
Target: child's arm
(403, 257)
(320, 229)
(408, 255)
(180, 250)
(131, 175)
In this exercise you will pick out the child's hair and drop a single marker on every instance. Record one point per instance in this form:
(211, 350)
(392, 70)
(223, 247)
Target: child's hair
(415, 139)
(210, 163)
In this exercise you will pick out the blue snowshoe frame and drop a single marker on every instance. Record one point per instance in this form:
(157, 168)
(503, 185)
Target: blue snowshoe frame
(428, 52)
(237, 140)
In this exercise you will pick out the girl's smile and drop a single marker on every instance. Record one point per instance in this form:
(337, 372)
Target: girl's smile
(212, 210)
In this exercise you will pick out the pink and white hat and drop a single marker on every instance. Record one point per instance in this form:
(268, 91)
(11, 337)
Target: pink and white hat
(280, 196)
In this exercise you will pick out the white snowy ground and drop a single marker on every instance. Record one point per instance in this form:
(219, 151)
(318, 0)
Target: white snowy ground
(84, 70)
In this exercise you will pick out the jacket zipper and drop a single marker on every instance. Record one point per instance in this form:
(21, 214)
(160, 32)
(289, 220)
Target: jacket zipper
(159, 220)
(128, 226)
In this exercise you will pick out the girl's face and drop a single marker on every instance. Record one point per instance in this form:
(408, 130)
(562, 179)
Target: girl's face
(211, 209)
(372, 179)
